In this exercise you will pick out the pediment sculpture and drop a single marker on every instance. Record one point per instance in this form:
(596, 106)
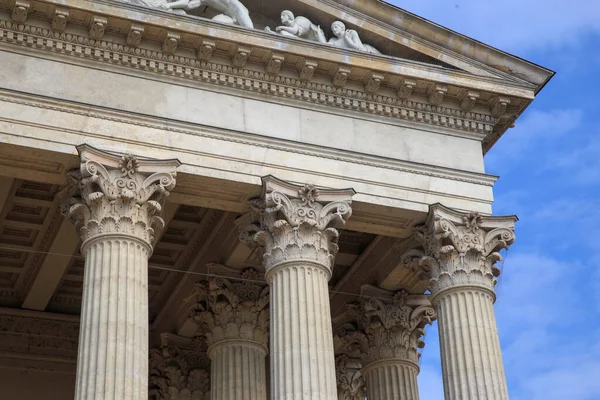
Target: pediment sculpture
(300, 27)
(303, 28)
(349, 39)
(234, 12)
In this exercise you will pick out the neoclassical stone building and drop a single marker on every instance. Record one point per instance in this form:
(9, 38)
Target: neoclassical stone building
(265, 199)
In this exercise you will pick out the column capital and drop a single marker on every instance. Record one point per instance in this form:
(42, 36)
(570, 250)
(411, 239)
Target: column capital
(297, 222)
(227, 310)
(350, 381)
(461, 249)
(179, 369)
(390, 326)
(114, 194)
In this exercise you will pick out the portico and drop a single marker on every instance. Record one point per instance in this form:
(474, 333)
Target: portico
(197, 205)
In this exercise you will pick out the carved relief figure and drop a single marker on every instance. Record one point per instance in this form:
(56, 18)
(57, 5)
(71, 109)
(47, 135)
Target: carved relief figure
(300, 27)
(349, 39)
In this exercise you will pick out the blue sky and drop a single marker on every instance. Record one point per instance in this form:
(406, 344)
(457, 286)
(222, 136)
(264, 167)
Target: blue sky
(548, 307)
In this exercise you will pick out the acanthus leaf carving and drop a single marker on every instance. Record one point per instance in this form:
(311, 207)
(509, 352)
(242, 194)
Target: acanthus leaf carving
(388, 329)
(20, 10)
(351, 383)
(462, 249)
(293, 224)
(97, 27)
(60, 19)
(230, 310)
(112, 194)
(179, 369)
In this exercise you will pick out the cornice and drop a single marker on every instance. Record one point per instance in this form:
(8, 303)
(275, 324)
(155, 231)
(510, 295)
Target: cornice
(252, 140)
(408, 39)
(189, 59)
(387, 13)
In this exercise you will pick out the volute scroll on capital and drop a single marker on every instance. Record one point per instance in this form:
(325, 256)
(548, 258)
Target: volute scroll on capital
(112, 194)
(462, 249)
(179, 369)
(389, 327)
(226, 309)
(297, 223)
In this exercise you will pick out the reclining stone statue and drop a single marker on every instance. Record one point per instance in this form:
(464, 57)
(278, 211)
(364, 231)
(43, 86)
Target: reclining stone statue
(349, 39)
(300, 27)
(233, 9)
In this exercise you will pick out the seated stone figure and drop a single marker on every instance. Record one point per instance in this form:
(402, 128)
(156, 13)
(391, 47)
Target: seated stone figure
(300, 27)
(349, 39)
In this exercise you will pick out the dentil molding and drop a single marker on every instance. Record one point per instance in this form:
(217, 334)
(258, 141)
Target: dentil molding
(305, 88)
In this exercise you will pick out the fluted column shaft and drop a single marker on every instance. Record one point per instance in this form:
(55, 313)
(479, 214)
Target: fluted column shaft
(115, 203)
(391, 380)
(238, 371)
(112, 360)
(302, 361)
(471, 358)
(460, 252)
(297, 226)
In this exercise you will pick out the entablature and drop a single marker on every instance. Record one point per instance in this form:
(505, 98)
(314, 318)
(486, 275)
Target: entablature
(191, 48)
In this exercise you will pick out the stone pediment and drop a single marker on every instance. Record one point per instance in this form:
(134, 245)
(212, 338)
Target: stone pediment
(416, 72)
(393, 31)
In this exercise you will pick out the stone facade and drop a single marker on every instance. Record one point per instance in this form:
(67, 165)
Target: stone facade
(261, 201)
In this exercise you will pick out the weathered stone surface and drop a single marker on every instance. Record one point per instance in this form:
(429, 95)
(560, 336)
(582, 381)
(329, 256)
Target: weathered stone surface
(233, 316)
(460, 252)
(115, 204)
(387, 333)
(296, 225)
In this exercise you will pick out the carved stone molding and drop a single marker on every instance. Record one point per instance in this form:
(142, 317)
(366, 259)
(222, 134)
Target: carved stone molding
(39, 336)
(172, 39)
(240, 57)
(237, 76)
(436, 94)
(306, 69)
(373, 82)
(231, 310)
(462, 249)
(297, 223)
(406, 88)
(117, 194)
(19, 10)
(389, 326)
(179, 369)
(468, 99)
(134, 35)
(274, 63)
(340, 76)
(97, 27)
(206, 49)
(60, 19)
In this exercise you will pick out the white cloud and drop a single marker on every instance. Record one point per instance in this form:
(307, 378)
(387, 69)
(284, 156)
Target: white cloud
(513, 25)
(535, 129)
(550, 346)
(578, 162)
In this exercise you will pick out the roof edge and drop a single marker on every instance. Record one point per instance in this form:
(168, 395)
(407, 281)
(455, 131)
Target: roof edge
(447, 38)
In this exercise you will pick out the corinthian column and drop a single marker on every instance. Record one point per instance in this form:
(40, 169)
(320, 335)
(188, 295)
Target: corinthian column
(296, 225)
(390, 328)
(234, 318)
(460, 251)
(115, 203)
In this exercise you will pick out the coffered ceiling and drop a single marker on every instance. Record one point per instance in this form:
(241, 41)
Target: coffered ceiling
(42, 269)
